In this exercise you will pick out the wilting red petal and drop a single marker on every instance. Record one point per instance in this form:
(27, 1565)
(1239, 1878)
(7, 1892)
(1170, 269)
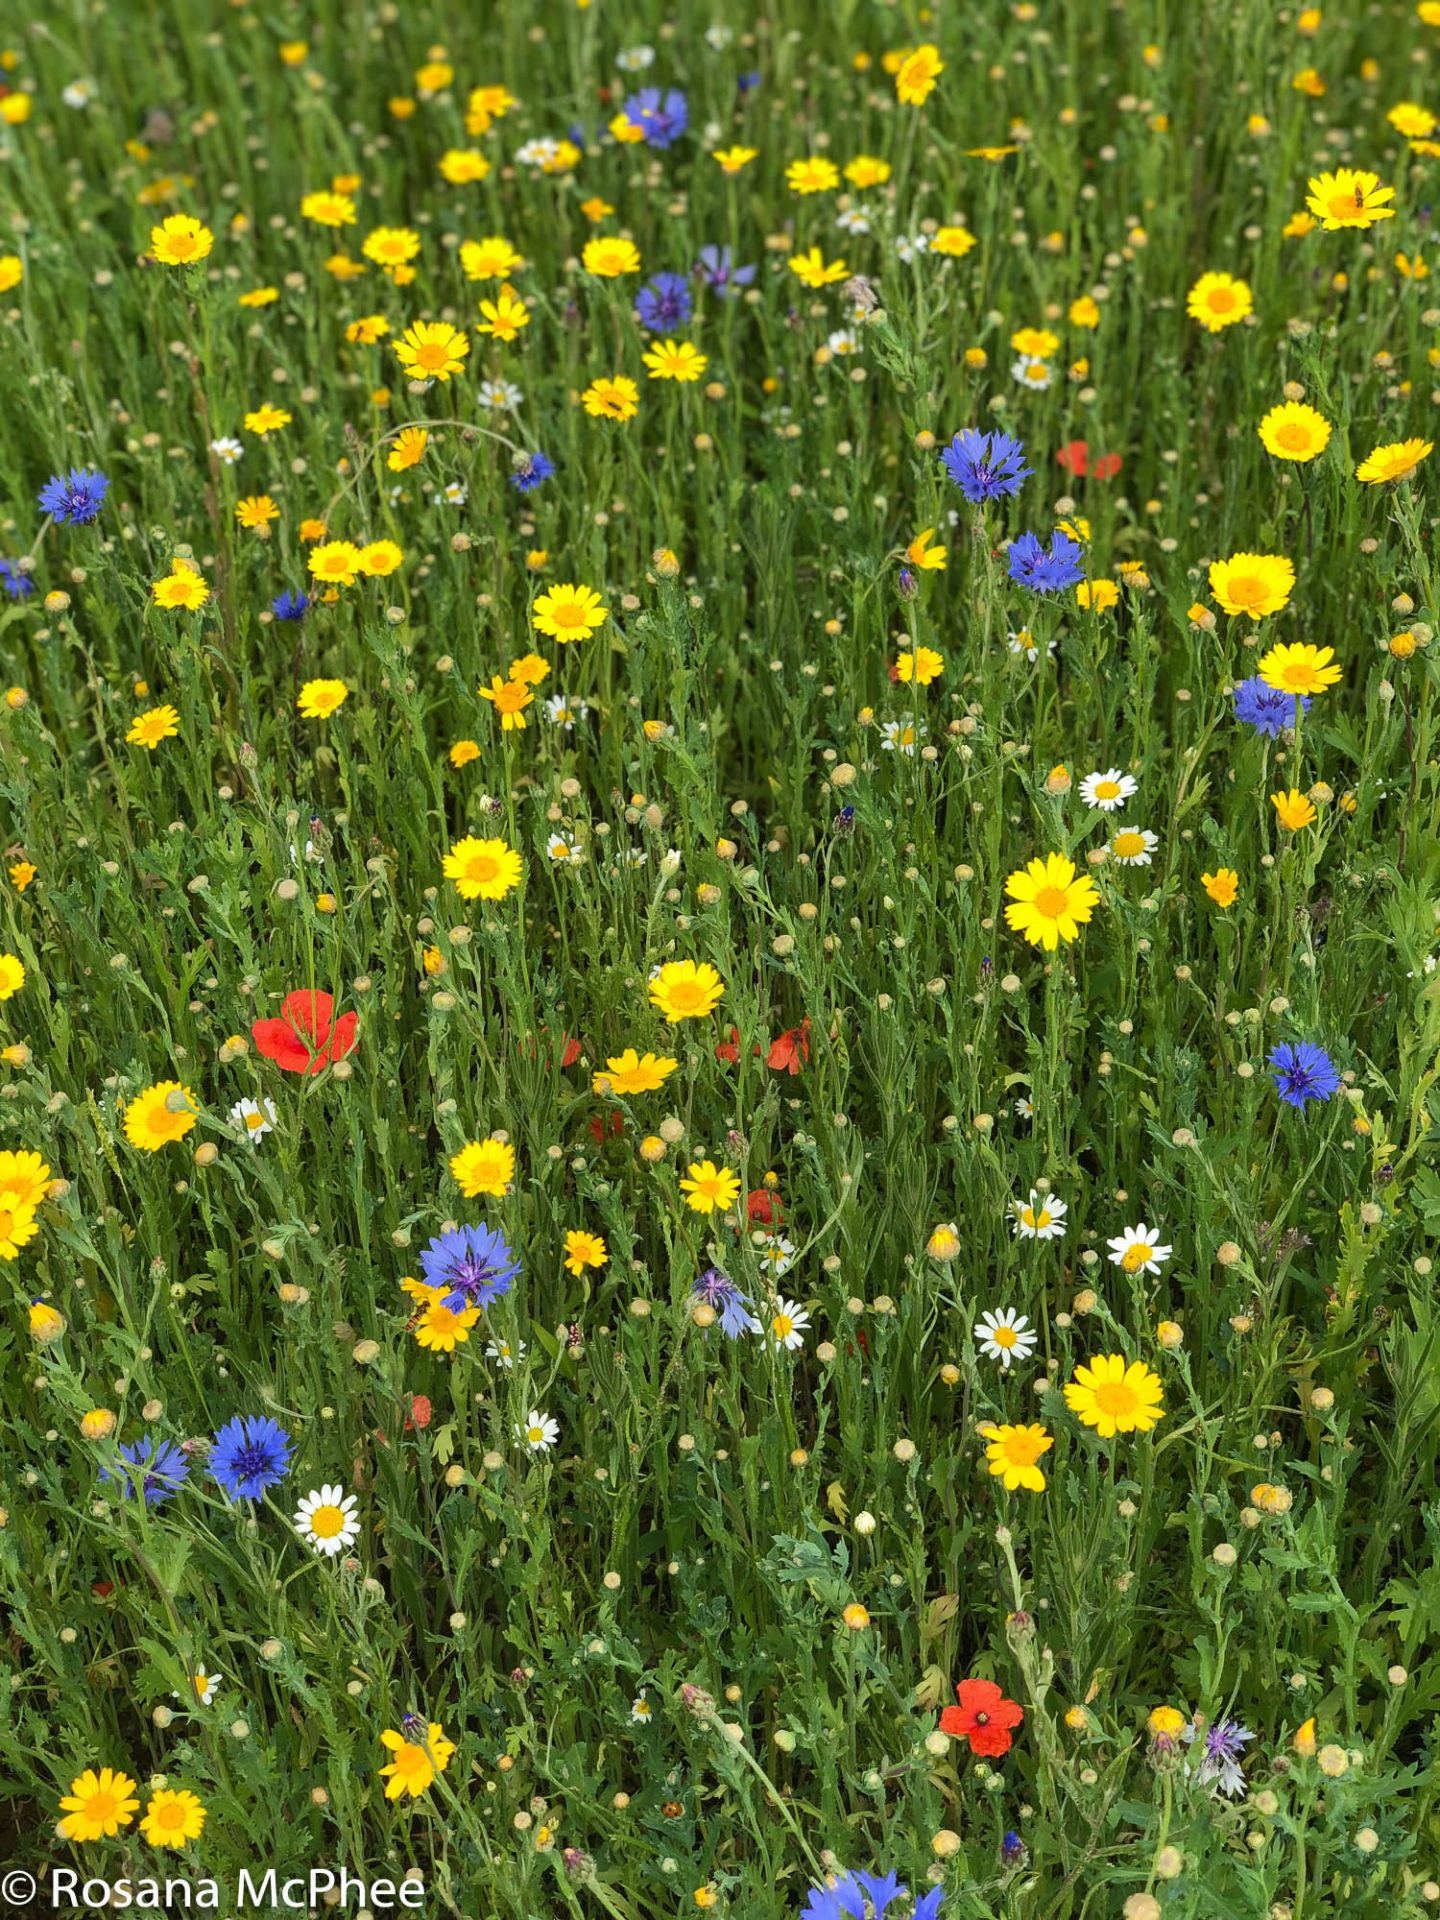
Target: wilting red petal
(599, 1127)
(763, 1208)
(1074, 456)
(420, 1411)
(729, 1049)
(792, 1050)
(572, 1051)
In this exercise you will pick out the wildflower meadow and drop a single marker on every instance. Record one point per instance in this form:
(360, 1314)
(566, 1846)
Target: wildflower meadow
(719, 1014)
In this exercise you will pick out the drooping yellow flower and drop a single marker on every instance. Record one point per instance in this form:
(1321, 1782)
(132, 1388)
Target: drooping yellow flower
(483, 1166)
(915, 81)
(148, 729)
(1218, 300)
(1252, 583)
(509, 699)
(1293, 809)
(1051, 902)
(180, 241)
(408, 449)
(1222, 886)
(320, 698)
(1299, 668)
(568, 612)
(432, 350)
(1349, 197)
(1394, 462)
(921, 554)
(483, 869)
(161, 1114)
(1115, 1396)
(708, 1188)
(686, 990)
(1293, 431)
(1012, 1453)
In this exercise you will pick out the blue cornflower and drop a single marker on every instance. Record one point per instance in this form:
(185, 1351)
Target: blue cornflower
(250, 1454)
(1012, 1849)
(1046, 572)
(1303, 1072)
(76, 498)
(289, 606)
(715, 269)
(663, 304)
(1222, 1753)
(717, 1290)
(1266, 709)
(18, 585)
(163, 1465)
(747, 82)
(985, 466)
(845, 1898)
(475, 1263)
(661, 120)
(530, 470)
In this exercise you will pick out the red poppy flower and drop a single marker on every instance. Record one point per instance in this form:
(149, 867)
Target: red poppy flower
(1074, 456)
(303, 1039)
(420, 1412)
(984, 1717)
(792, 1050)
(599, 1127)
(729, 1049)
(763, 1208)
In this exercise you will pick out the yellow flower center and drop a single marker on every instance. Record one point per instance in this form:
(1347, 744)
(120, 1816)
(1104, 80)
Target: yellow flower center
(1107, 789)
(1135, 1257)
(432, 356)
(1051, 903)
(101, 1807)
(1004, 1337)
(1296, 676)
(1293, 436)
(567, 615)
(686, 995)
(1221, 300)
(1023, 1449)
(1247, 589)
(254, 1121)
(1115, 1399)
(482, 868)
(326, 1522)
(171, 1816)
(1343, 206)
(1128, 844)
(784, 1326)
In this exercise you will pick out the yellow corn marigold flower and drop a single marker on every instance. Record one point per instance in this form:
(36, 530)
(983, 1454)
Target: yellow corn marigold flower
(1036, 343)
(463, 752)
(415, 1765)
(1115, 1396)
(921, 554)
(440, 1329)
(954, 242)
(379, 558)
(172, 1818)
(504, 316)
(1397, 461)
(490, 259)
(856, 1618)
(812, 176)
(12, 271)
(161, 1114)
(256, 510)
(530, 668)
(328, 209)
(24, 1176)
(391, 246)
(1222, 886)
(1051, 903)
(47, 1324)
(1164, 1723)
(1293, 810)
(732, 159)
(1098, 595)
(1012, 1453)
(182, 588)
(21, 874)
(813, 270)
(462, 166)
(708, 1188)
(686, 990)
(1305, 1741)
(1299, 668)
(607, 257)
(98, 1805)
(260, 297)
(432, 350)
(17, 1226)
(98, 1424)
(568, 612)
(335, 561)
(148, 729)
(180, 241)
(320, 698)
(865, 170)
(484, 1166)
(674, 360)
(611, 399)
(1252, 583)
(1218, 300)
(922, 666)
(1308, 81)
(595, 209)
(408, 449)
(1414, 121)
(1084, 312)
(509, 699)
(483, 869)
(1349, 197)
(15, 109)
(584, 1250)
(266, 419)
(915, 80)
(631, 1072)
(1293, 431)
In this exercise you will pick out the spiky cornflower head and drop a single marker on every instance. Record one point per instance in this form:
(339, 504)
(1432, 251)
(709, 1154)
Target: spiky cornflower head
(715, 268)
(289, 606)
(664, 303)
(1046, 572)
(250, 1454)
(730, 1306)
(1222, 1748)
(16, 583)
(661, 118)
(530, 470)
(850, 1896)
(1303, 1072)
(985, 466)
(1264, 708)
(75, 498)
(160, 1470)
(474, 1263)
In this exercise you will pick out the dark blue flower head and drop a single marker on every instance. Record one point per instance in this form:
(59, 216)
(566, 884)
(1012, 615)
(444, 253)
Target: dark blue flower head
(473, 1263)
(530, 470)
(289, 606)
(76, 497)
(1266, 709)
(846, 1896)
(664, 303)
(662, 120)
(985, 465)
(160, 1469)
(747, 82)
(1303, 1072)
(250, 1454)
(17, 584)
(718, 1291)
(1044, 572)
(715, 269)
(906, 584)
(1012, 1849)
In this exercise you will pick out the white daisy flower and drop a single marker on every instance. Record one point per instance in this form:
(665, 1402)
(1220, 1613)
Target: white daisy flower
(788, 1323)
(777, 1254)
(1138, 1249)
(326, 1518)
(854, 220)
(641, 1711)
(257, 1117)
(455, 494)
(559, 847)
(1006, 1336)
(1107, 791)
(1023, 1108)
(1042, 1219)
(205, 1686)
(1133, 846)
(898, 736)
(227, 449)
(1024, 642)
(564, 711)
(538, 153)
(537, 1431)
(505, 1353)
(843, 340)
(635, 59)
(911, 246)
(501, 394)
(633, 857)
(79, 93)
(719, 37)
(1032, 373)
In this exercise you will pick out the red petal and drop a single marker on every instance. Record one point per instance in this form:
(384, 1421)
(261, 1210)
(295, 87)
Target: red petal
(278, 1041)
(309, 1013)
(1107, 466)
(342, 1037)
